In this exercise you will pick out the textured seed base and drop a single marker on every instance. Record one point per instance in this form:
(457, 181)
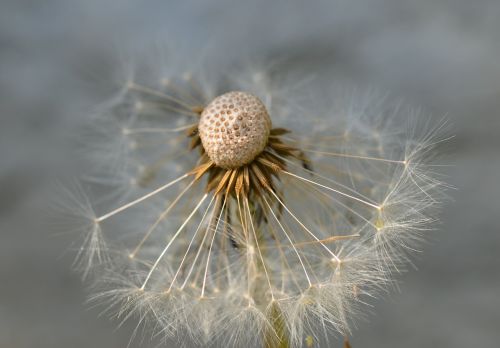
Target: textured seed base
(234, 129)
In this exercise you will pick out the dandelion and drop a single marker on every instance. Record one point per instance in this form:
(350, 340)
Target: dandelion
(253, 215)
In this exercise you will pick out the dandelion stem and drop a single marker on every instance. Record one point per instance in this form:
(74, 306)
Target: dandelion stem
(277, 337)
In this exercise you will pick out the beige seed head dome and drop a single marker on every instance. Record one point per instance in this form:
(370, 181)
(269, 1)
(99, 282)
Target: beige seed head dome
(234, 129)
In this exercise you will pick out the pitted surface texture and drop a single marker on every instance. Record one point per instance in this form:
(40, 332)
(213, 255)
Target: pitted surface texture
(234, 128)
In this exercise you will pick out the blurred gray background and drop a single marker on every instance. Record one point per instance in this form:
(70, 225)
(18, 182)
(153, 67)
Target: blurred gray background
(443, 55)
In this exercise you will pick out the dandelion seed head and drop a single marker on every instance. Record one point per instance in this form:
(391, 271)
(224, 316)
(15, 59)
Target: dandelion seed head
(234, 129)
(236, 231)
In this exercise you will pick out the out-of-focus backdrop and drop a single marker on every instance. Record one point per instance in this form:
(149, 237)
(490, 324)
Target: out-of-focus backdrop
(442, 55)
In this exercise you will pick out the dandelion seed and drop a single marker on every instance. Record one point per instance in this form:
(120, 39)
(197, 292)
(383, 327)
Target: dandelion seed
(256, 233)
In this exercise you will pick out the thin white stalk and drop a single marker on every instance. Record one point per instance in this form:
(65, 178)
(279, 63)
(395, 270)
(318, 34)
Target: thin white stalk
(337, 202)
(201, 244)
(332, 189)
(143, 106)
(243, 222)
(327, 179)
(196, 86)
(172, 240)
(137, 87)
(258, 248)
(210, 249)
(290, 240)
(139, 200)
(284, 262)
(180, 91)
(128, 131)
(304, 227)
(191, 243)
(160, 218)
(339, 154)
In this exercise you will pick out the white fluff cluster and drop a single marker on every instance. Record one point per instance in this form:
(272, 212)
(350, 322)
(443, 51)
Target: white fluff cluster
(288, 270)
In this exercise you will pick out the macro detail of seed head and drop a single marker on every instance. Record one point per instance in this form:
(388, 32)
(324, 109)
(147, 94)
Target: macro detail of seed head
(234, 129)
(230, 230)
